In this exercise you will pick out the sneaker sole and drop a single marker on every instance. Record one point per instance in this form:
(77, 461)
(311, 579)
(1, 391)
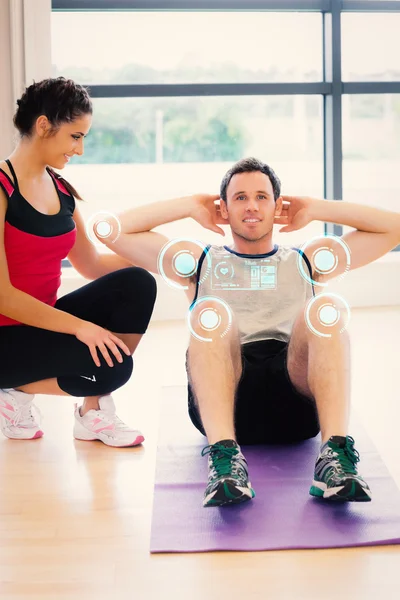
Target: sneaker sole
(36, 436)
(228, 493)
(139, 440)
(85, 435)
(3, 426)
(352, 491)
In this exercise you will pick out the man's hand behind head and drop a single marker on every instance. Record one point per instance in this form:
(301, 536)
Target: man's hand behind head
(206, 211)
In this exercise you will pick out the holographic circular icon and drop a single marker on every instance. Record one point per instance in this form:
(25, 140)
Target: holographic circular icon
(223, 270)
(103, 229)
(324, 259)
(185, 263)
(181, 255)
(209, 317)
(324, 311)
(103, 225)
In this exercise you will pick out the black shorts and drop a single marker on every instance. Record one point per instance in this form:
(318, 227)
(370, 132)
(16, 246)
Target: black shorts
(121, 301)
(268, 408)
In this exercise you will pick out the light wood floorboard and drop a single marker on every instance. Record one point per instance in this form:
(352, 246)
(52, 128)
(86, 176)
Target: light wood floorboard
(75, 516)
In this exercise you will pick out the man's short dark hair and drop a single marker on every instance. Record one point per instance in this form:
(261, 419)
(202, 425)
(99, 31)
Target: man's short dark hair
(249, 165)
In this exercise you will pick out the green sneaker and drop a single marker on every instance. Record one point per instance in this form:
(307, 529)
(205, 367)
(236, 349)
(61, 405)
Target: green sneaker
(335, 474)
(228, 481)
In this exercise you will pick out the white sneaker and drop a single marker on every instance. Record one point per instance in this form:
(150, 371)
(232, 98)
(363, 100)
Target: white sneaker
(104, 425)
(16, 419)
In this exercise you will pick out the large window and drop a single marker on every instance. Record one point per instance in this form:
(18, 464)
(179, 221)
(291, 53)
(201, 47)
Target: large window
(177, 146)
(371, 47)
(371, 144)
(181, 93)
(198, 130)
(188, 47)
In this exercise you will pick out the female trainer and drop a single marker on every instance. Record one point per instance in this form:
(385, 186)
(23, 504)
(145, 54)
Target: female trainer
(79, 344)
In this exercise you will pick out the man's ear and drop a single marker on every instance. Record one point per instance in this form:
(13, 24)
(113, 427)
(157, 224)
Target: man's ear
(278, 206)
(223, 209)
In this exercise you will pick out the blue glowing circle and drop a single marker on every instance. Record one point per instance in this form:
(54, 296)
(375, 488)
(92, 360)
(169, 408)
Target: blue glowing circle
(328, 315)
(324, 260)
(209, 319)
(185, 264)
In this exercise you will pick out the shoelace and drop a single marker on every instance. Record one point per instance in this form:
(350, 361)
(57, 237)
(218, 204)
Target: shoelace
(24, 417)
(347, 457)
(120, 424)
(221, 458)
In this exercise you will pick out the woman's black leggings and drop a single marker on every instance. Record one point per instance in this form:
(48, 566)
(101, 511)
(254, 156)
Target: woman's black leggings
(121, 302)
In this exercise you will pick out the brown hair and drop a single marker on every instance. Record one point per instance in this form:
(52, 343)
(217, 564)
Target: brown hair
(249, 165)
(70, 188)
(61, 101)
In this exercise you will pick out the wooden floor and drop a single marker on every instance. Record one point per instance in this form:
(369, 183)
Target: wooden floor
(75, 516)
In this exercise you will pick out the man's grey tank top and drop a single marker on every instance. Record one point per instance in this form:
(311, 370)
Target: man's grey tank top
(265, 292)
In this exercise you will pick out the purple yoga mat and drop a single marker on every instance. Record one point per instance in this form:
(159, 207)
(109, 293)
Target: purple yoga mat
(282, 516)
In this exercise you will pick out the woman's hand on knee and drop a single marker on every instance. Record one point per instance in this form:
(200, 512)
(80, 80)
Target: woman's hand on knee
(96, 337)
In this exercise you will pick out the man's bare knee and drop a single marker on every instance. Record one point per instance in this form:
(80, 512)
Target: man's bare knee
(320, 321)
(327, 319)
(211, 323)
(223, 343)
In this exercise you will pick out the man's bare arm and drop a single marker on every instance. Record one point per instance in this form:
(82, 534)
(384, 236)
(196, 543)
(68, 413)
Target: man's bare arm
(359, 216)
(377, 231)
(135, 241)
(146, 218)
